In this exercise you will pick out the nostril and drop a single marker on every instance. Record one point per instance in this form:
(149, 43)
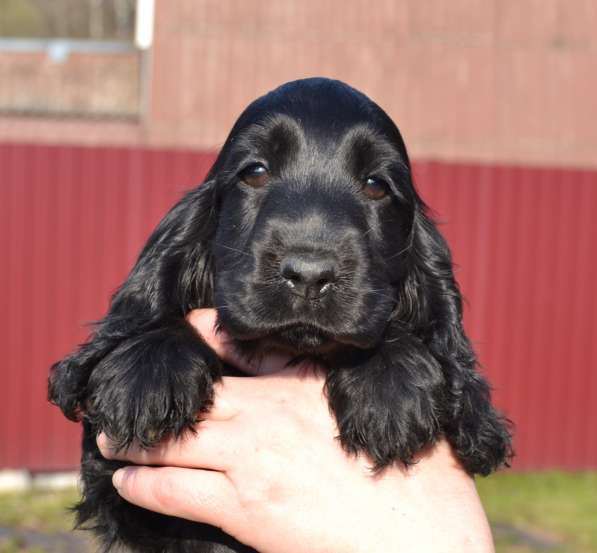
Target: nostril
(290, 274)
(326, 277)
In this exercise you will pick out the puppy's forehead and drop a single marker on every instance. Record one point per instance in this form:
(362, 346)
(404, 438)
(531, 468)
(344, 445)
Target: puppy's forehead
(280, 136)
(318, 111)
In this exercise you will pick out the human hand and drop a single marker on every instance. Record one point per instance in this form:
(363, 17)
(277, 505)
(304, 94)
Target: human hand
(266, 468)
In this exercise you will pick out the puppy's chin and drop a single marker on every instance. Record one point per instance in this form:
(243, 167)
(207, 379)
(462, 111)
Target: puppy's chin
(301, 339)
(295, 338)
(298, 340)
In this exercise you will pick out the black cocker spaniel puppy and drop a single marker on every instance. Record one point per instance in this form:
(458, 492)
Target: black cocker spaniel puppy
(309, 237)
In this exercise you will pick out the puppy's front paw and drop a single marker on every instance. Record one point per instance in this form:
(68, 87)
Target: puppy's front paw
(388, 407)
(151, 386)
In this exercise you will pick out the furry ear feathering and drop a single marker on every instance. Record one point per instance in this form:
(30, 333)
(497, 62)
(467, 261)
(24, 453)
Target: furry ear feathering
(308, 236)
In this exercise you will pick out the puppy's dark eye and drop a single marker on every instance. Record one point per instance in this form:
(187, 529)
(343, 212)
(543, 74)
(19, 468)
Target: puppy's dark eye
(375, 188)
(255, 175)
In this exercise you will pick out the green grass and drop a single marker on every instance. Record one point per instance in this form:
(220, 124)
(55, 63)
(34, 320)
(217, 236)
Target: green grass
(40, 510)
(555, 506)
(40, 522)
(20, 18)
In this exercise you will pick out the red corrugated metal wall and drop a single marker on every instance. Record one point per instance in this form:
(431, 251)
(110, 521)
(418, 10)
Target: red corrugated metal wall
(525, 241)
(73, 219)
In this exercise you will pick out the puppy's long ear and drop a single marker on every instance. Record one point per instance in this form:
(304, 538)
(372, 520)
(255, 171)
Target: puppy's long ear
(172, 276)
(173, 273)
(431, 302)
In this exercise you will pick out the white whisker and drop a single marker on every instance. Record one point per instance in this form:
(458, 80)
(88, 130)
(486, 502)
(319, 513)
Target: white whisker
(235, 250)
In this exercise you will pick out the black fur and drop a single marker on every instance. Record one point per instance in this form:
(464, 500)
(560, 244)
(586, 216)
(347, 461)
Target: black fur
(314, 179)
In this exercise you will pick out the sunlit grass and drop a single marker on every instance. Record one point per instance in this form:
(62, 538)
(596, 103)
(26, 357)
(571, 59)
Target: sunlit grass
(40, 510)
(555, 506)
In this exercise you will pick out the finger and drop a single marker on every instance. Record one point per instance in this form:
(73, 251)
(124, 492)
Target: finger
(197, 495)
(211, 447)
(204, 321)
(235, 394)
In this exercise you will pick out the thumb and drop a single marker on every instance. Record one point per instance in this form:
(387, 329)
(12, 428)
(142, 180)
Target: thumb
(204, 321)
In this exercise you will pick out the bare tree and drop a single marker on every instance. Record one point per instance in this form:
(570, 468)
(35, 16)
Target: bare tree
(124, 17)
(96, 19)
(54, 15)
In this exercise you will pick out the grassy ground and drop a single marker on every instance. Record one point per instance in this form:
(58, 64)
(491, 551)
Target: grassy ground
(46, 511)
(550, 512)
(39, 522)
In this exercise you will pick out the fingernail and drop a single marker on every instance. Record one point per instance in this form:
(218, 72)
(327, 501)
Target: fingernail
(117, 478)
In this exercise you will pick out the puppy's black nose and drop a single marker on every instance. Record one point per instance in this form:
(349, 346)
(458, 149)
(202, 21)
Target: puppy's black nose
(309, 277)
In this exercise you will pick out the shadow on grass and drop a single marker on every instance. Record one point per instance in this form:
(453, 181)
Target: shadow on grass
(34, 541)
(510, 539)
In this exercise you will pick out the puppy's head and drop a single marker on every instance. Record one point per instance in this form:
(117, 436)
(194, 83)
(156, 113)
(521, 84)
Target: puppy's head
(316, 219)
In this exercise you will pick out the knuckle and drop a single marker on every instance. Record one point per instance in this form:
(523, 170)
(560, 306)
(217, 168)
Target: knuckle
(259, 495)
(251, 496)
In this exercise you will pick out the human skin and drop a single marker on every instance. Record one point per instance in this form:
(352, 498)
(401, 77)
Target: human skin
(265, 465)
